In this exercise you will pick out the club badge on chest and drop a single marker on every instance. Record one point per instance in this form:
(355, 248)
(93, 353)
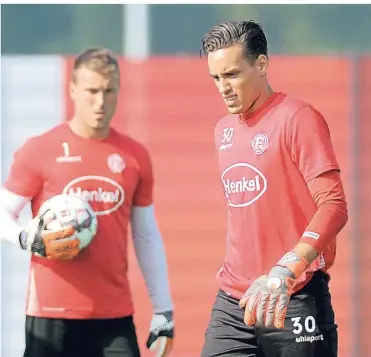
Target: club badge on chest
(116, 163)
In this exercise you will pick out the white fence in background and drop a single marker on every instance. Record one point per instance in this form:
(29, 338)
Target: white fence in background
(31, 102)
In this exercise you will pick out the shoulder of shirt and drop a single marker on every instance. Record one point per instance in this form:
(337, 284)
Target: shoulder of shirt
(37, 141)
(292, 106)
(295, 113)
(129, 143)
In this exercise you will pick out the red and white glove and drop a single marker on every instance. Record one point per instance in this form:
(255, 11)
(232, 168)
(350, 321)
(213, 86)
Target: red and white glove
(267, 299)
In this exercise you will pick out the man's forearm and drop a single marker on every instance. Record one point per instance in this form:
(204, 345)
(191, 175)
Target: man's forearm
(331, 216)
(151, 257)
(152, 262)
(11, 205)
(306, 251)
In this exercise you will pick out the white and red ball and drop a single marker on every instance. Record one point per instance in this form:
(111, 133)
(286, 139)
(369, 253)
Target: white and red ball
(69, 210)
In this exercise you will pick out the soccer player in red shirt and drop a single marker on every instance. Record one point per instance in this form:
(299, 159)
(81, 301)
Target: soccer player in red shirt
(81, 305)
(286, 205)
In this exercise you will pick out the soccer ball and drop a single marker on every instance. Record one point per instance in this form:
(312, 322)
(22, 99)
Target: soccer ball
(72, 210)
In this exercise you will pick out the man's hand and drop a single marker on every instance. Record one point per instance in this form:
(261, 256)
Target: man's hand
(267, 299)
(161, 334)
(52, 244)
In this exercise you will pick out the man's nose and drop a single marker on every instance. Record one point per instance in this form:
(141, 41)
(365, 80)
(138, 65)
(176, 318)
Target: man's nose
(99, 99)
(224, 87)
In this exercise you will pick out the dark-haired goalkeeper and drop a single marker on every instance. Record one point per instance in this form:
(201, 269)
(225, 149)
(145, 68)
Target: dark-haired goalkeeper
(286, 205)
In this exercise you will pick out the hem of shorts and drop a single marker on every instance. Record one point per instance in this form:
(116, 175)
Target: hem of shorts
(237, 294)
(232, 295)
(75, 315)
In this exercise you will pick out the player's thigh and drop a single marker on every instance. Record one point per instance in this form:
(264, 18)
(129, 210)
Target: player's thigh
(310, 330)
(48, 337)
(226, 334)
(44, 337)
(118, 338)
(299, 337)
(328, 345)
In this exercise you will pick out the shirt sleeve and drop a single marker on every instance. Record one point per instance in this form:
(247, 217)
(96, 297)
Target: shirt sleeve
(150, 252)
(11, 205)
(332, 213)
(25, 177)
(310, 143)
(143, 195)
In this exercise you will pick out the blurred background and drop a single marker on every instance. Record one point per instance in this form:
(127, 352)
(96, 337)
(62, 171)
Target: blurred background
(319, 53)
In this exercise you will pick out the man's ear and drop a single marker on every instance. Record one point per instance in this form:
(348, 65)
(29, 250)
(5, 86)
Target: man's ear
(72, 90)
(263, 63)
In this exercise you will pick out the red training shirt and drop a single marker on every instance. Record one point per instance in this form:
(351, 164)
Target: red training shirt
(112, 175)
(265, 164)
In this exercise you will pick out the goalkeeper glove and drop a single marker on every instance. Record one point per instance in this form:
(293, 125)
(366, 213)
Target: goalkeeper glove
(161, 334)
(267, 299)
(52, 244)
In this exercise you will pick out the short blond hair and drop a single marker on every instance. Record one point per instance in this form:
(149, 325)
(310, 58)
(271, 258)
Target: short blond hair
(98, 59)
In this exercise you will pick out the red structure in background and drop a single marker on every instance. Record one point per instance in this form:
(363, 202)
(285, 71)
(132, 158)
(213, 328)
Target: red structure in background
(171, 105)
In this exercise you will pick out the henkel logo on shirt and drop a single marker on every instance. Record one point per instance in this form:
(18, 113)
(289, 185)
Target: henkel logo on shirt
(103, 194)
(243, 184)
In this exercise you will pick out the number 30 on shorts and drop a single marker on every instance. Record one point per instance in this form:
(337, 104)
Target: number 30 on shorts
(303, 323)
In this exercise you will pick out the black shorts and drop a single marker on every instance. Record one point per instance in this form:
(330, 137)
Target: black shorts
(46, 337)
(310, 330)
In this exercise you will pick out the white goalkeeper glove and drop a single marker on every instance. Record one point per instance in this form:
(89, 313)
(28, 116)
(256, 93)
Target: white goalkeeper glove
(161, 334)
